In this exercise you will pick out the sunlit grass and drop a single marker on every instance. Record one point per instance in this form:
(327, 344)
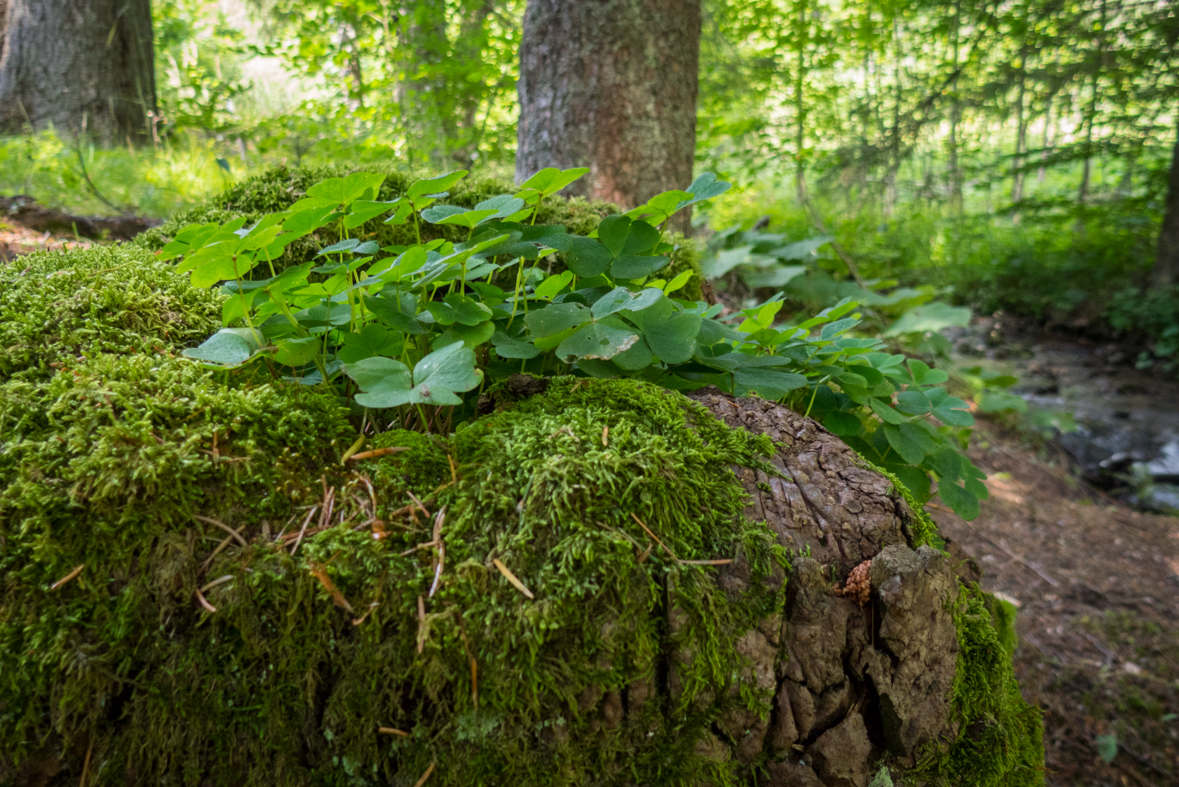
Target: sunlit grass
(83, 178)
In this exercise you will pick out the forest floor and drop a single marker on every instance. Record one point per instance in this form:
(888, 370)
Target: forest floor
(1097, 586)
(16, 240)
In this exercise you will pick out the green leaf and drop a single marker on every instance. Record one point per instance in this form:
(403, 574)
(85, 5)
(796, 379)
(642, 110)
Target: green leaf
(555, 318)
(929, 317)
(449, 214)
(842, 424)
(902, 442)
(503, 206)
(343, 191)
(923, 375)
(599, 340)
(507, 347)
(443, 372)
(636, 358)
(636, 267)
(1107, 747)
(886, 413)
(621, 298)
(625, 237)
(768, 384)
(306, 221)
(801, 250)
(912, 402)
(674, 340)
(434, 186)
(372, 340)
(952, 411)
(551, 180)
(467, 310)
(548, 288)
(296, 352)
(470, 335)
(960, 501)
(364, 210)
(704, 188)
(343, 247)
(389, 312)
(225, 348)
(383, 381)
(915, 480)
(585, 256)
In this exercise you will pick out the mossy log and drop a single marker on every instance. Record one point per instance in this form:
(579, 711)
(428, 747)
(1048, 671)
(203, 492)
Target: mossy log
(597, 582)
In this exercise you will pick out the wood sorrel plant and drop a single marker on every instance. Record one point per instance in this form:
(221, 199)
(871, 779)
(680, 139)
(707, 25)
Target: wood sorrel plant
(415, 331)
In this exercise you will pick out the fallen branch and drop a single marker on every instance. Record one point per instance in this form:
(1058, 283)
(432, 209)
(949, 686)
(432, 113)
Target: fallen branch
(24, 210)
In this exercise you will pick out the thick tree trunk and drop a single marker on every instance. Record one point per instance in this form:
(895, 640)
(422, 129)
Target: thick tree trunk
(1166, 264)
(78, 66)
(610, 85)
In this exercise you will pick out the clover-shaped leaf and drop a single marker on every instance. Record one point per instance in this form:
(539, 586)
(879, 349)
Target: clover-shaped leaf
(551, 180)
(436, 379)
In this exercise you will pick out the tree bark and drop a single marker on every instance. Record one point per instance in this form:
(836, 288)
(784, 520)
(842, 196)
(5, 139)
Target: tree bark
(1166, 264)
(610, 85)
(78, 67)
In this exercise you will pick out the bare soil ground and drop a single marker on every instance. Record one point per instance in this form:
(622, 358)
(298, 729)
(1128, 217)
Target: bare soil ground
(1097, 585)
(16, 240)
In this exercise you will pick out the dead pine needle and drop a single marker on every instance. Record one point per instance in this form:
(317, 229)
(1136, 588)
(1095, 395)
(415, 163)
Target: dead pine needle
(204, 602)
(303, 529)
(510, 577)
(338, 599)
(377, 452)
(719, 562)
(77, 570)
(666, 548)
(209, 560)
(235, 534)
(216, 582)
(392, 731)
(606, 436)
(86, 763)
(414, 498)
(453, 469)
(425, 776)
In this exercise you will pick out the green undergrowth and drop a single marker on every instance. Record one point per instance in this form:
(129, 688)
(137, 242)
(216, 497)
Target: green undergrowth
(1000, 741)
(277, 189)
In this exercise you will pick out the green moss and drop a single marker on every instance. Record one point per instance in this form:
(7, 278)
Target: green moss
(55, 306)
(110, 460)
(279, 188)
(1000, 740)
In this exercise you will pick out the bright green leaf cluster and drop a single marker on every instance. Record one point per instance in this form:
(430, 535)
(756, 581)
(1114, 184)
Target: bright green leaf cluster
(421, 327)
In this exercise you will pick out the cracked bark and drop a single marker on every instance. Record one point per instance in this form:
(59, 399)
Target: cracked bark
(78, 67)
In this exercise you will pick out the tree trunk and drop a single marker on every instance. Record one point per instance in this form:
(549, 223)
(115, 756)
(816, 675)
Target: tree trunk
(1166, 264)
(610, 85)
(78, 66)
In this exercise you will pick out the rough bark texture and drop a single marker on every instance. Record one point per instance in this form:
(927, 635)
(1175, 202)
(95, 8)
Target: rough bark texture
(1166, 266)
(853, 683)
(610, 85)
(78, 66)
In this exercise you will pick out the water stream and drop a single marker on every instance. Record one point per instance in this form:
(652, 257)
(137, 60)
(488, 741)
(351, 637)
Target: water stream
(1126, 438)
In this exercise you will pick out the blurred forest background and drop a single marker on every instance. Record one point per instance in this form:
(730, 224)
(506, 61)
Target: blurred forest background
(1014, 152)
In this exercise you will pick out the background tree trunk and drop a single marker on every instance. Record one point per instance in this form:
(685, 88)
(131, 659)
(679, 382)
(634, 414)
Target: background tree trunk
(78, 66)
(1166, 264)
(611, 85)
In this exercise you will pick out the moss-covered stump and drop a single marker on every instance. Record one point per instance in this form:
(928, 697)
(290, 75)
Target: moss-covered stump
(598, 583)
(277, 189)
